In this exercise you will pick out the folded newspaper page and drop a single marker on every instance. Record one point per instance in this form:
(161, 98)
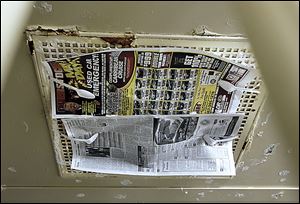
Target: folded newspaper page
(153, 145)
(150, 81)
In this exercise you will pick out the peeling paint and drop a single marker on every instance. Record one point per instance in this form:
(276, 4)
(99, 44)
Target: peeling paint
(186, 192)
(284, 173)
(210, 191)
(270, 149)
(50, 30)
(120, 196)
(290, 151)
(80, 195)
(126, 182)
(277, 195)
(125, 41)
(203, 30)
(3, 187)
(12, 169)
(26, 126)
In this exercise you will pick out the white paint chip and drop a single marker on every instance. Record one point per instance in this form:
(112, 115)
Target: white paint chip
(282, 180)
(78, 181)
(255, 162)
(245, 168)
(26, 126)
(239, 195)
(80, 195)
(126, 182)
(260, 133)
(284, 173)
(186, 192)
(240, 164)
(12, 169)
(120, 196)
(267, 119)
(277, 195)
(202, 194)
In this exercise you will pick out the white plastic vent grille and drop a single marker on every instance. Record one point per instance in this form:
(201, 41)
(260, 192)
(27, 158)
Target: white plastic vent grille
(61, 46)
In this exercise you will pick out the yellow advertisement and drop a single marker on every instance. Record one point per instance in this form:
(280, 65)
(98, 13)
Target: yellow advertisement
(127, 98)
(203, 101)
(143, 82)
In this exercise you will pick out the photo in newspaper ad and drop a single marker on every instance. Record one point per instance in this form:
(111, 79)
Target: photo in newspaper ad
(152, 81)
(84, 73)
(153, 145)
(174, 129)
(102, 74)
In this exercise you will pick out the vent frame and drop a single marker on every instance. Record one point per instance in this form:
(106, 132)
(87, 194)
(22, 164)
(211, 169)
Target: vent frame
(51, 47)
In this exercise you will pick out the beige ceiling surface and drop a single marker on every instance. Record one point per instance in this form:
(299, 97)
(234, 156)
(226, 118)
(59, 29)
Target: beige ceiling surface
(28, 168)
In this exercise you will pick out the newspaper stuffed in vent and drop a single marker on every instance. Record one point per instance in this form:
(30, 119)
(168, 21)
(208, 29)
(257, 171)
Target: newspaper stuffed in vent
(154, 145)
(150, 81)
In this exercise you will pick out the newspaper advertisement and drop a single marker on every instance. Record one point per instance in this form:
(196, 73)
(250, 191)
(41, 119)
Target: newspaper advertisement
(139, 81)
(153, 145)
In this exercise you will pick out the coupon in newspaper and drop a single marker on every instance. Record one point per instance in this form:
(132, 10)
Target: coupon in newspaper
(154, 145)
(150, 81)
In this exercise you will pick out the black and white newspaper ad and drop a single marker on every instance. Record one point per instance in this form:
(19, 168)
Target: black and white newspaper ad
(170, 145)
